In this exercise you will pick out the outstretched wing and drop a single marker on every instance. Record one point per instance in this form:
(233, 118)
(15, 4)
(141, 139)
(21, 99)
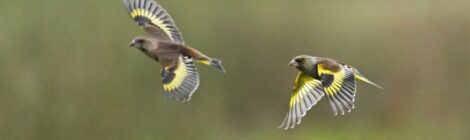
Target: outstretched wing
(180, 80)
(154, 19)
(306, 93)
(339, 86)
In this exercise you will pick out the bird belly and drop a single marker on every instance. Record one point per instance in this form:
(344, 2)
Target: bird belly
(153, 56)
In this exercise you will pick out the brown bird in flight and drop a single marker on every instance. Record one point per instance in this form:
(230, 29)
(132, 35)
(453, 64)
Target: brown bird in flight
(164, 43)
(319, 76)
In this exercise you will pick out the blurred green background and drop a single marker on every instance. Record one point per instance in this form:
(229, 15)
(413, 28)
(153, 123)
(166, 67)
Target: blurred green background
(68, 74)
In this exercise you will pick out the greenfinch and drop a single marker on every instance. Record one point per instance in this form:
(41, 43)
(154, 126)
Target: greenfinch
(164, 44)
(319, 76)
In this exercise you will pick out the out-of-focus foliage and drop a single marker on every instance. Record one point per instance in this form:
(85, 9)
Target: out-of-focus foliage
(67, 72)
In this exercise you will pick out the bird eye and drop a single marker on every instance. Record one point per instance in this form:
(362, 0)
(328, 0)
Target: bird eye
(299, 60)
(139, 41)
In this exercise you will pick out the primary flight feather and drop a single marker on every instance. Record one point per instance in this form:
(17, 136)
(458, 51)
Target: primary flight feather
(164, 43)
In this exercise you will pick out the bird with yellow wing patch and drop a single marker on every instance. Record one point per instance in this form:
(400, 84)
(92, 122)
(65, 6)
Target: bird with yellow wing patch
(164, 43)
(318, 77)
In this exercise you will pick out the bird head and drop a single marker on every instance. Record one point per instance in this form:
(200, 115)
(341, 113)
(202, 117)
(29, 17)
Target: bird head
(142, 42)
(303, 62)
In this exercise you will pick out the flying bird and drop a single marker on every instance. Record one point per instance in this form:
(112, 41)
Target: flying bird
(164, 44)
(319, 76)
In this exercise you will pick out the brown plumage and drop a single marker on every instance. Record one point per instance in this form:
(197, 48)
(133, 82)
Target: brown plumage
(164, 44)
(318, 77)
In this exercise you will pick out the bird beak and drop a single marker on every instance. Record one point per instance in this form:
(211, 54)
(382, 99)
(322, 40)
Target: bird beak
(132, 43)
(293, 63)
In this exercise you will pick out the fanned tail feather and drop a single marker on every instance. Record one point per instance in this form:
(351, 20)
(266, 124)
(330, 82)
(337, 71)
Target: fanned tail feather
(217, 64)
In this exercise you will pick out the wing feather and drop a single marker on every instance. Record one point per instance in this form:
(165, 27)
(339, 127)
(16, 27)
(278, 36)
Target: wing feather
(180, 81)
(154, 19)
(340, 87)
(306, 93)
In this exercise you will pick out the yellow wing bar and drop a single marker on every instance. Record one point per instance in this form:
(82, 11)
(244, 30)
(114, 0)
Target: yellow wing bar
(149, 13)
(339, 86)
(306, 93)
(181, 81)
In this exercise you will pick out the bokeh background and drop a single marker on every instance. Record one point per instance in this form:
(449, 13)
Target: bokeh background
(66, 72)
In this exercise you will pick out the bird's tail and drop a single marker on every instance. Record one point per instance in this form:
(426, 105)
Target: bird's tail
(214, 63)
(361, 77)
